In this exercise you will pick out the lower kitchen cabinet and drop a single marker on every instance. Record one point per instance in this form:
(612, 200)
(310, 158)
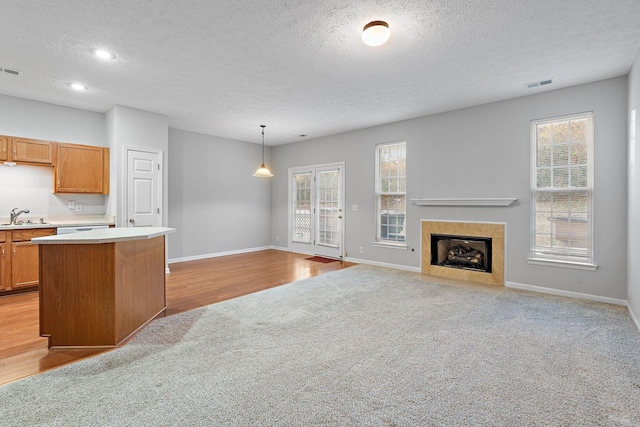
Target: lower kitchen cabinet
(19, 258)
(24, 265)
(4, 263)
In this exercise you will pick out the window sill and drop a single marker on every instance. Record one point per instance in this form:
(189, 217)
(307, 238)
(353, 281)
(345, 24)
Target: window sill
(563, 264)
(391, 245)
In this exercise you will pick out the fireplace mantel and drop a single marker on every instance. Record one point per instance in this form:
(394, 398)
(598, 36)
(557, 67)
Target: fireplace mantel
(461, 201)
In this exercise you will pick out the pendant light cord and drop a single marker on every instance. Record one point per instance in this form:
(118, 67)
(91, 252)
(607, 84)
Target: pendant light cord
(263, 126)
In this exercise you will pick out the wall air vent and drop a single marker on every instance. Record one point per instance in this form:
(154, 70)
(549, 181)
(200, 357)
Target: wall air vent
(10, 71)
(538, 83)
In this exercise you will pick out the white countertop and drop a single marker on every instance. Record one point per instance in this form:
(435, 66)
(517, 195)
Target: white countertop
(105, 235)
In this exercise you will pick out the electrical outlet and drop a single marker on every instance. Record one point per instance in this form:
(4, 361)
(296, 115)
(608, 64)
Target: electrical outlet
(71, 205)
(354, 208)
(277, 239)
(361, 250)
(78, 207)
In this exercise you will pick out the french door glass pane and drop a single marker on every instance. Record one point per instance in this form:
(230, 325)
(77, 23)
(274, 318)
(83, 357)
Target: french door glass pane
(328, 205)
(302, 208)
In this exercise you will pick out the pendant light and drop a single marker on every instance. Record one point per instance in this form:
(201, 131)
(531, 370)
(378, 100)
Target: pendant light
(262, 171)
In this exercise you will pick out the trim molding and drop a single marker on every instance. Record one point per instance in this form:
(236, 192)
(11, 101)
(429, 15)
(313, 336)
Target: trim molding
(280, 248)
(218, 254)
(634, 318)
(383, 264)
(563, 264)
(569, 294)
(462, 201)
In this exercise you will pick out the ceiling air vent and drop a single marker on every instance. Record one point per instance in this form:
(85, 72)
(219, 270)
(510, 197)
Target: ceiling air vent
(10, 71)
(539, 83)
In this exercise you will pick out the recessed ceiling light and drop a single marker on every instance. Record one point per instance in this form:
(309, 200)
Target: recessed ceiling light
(103, 54)
(78, 86)
(376, 33)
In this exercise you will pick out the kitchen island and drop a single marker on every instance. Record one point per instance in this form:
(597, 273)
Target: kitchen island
(97, 288)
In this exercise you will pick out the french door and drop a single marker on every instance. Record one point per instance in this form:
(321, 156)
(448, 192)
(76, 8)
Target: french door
(316, 210)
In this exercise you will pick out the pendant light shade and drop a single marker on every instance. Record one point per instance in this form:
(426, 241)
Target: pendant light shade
(262, 171)
(376, 33)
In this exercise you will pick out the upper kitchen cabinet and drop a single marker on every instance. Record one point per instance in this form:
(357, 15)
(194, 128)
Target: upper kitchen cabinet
(81, 169)
(4, 148)
(33, 151)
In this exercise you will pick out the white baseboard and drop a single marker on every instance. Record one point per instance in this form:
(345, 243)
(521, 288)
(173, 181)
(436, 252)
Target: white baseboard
(562, 293)
(218, 254)
(634, 318)
(280, 248)
(383, 264)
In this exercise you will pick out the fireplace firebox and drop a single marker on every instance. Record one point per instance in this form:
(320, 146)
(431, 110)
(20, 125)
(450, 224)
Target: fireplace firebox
(463, 252)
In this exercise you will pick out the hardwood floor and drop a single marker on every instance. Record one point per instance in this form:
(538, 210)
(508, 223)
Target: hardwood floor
(190, 285)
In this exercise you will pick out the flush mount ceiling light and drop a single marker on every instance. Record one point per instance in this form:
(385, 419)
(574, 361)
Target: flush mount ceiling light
(78, 86)
(376, 33)
(262, 171)
(103, 54)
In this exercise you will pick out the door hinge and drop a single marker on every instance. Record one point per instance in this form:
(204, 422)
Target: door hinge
(158, 210)
(158, 166)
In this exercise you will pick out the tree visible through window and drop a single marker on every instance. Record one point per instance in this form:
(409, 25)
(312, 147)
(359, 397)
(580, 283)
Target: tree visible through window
(562, 188)
(391, 188)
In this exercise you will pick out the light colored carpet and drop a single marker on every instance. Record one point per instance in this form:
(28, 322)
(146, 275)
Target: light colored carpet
(360, 346)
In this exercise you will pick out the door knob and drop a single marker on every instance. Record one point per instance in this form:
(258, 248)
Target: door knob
(339, 216)
(131, 220)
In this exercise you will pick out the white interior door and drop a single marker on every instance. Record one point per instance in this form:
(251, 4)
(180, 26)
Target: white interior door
(316, 210)
(144, 184)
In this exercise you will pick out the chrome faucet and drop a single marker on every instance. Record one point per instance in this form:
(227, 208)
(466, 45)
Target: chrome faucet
(15, 215)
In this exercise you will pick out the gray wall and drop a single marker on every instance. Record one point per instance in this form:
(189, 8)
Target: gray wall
(215, 204)
(634, 192)
(30, 186)
(132, 128)
(489, 146)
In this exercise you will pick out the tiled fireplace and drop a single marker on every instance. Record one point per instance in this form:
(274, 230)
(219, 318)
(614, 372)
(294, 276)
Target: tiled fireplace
(464, 250)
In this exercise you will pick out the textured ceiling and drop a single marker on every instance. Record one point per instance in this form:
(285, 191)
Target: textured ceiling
(225, 67)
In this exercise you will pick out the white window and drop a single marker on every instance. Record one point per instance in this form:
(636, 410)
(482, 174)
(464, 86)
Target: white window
(391, 189)
(562, 189)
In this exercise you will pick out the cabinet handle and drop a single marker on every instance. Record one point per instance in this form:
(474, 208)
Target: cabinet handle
(14, 251)
(2, 252)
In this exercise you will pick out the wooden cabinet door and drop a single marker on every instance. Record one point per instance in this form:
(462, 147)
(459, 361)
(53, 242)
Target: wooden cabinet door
(4, 267)
(24, 265)
(24, 257)
(81, 169)
(4, 148)
(31, 151)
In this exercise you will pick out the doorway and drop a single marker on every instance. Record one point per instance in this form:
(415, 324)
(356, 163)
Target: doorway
(316, 210)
